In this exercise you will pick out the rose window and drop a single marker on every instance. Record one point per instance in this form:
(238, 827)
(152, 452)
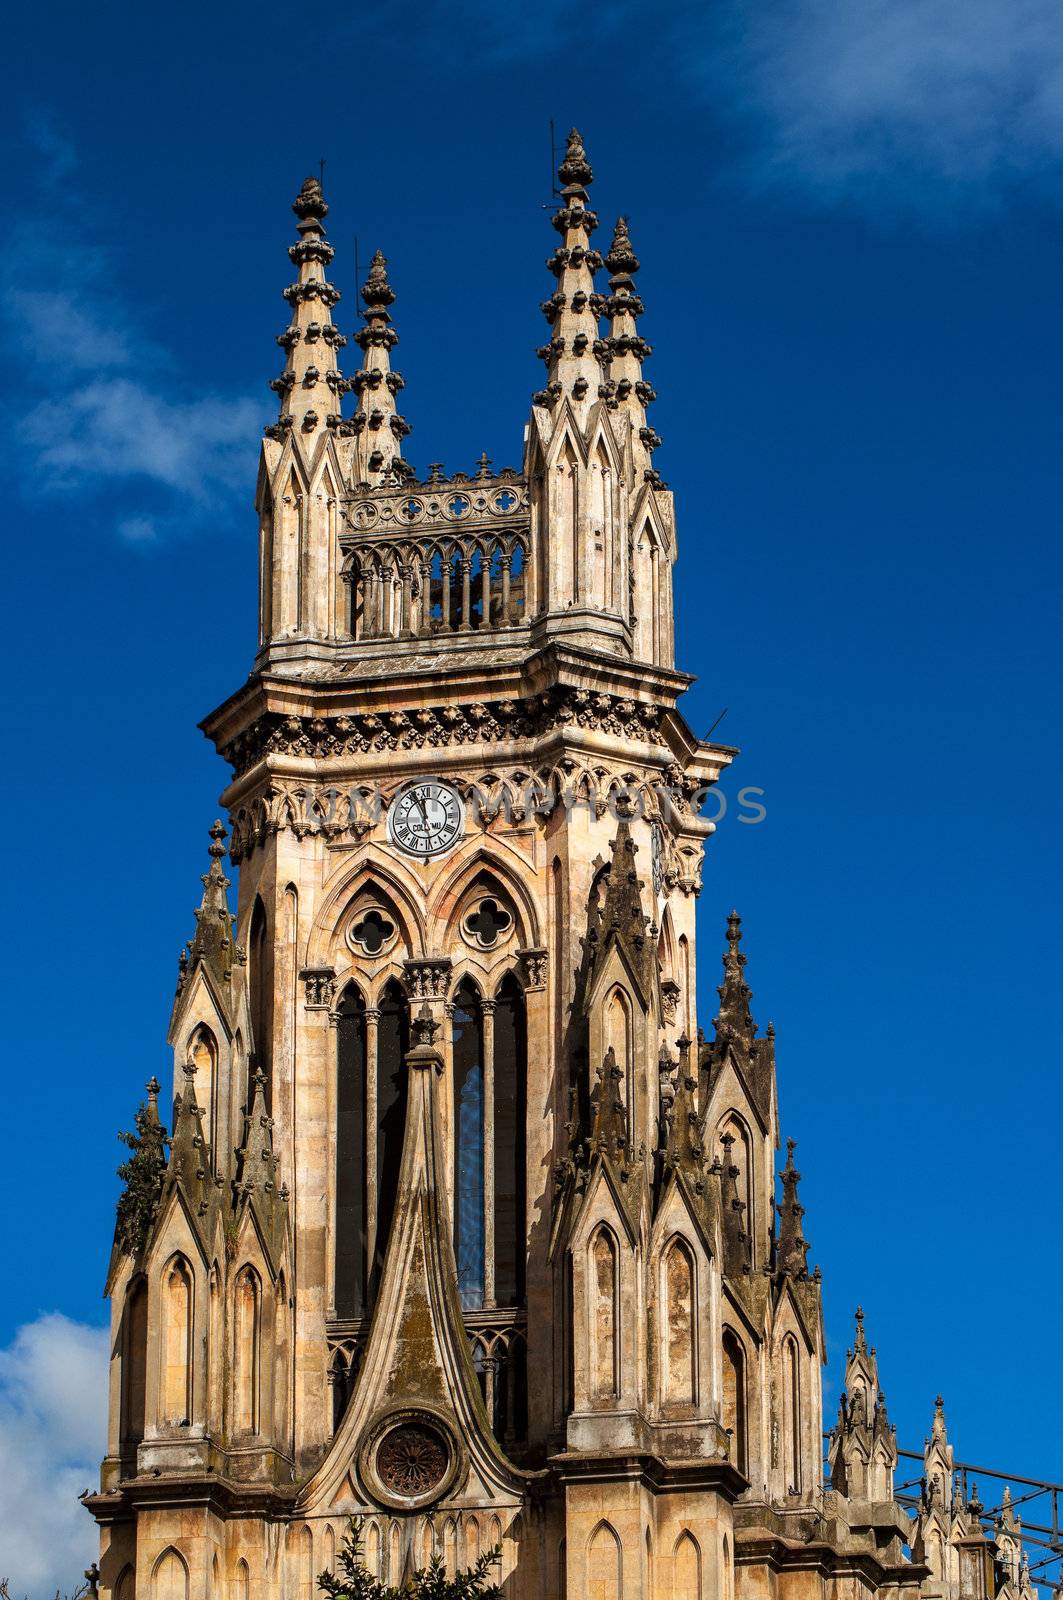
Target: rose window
(412, 1460)
(487, 923)
(372, 932)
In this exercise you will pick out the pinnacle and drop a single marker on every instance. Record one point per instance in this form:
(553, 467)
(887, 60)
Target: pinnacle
(377, 291)
(309, 203)
(621, 260)
(575, 169)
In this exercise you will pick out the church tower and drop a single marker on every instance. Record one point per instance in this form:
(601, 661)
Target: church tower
(466, 1223)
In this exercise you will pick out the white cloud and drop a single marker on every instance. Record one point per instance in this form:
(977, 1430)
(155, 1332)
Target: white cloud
(110, 408)
(884, 99)
(53, 1423)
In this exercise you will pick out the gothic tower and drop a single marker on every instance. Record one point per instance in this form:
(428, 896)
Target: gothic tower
(464, 1226)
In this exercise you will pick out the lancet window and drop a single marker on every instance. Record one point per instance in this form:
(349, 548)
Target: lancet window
(370, 1121)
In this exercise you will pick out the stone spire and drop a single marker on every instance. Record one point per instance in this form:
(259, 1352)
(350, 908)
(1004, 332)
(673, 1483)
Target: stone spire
(310, 385)
(609, 1131)
(573, 356)
(213, 943)
(378, 426)
(791, 1245)
(256, 1173)
(625, 388)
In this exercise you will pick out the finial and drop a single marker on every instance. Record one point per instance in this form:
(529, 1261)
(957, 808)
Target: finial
(376, 290)
(425, 1027)
(153, 1087)
(218, 835)
(621, 260)
(575, 169)
(309, 204)
(734, 931)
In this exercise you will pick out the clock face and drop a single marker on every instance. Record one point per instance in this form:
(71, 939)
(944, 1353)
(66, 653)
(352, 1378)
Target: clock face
(426, 818)
(657, 857)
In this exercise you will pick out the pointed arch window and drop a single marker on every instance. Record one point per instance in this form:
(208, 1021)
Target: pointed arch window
(247, 1316)
(260, 987)
(792, 1417)
(177, 1342)
(371, 1049)
(489, 1053)
(203, 1057)
(351, 1198)
(734, 1397)
(510, 1071)
(134, 1362)
(391, 1045)
(469, 1216)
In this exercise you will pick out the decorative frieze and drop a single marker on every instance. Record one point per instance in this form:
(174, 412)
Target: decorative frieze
(480, 722)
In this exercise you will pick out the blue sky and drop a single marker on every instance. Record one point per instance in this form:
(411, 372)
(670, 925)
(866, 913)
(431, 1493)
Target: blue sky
(851, 234)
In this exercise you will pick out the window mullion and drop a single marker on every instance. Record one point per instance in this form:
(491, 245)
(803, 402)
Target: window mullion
(488, 1012)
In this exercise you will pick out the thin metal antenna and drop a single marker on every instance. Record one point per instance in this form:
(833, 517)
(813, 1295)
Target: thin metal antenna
(321, 179)
(357, 274)
(715, 725)
(554, 191)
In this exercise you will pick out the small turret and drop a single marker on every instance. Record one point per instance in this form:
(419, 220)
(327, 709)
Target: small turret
(310, 385)
(573, 356)
(378, 426)
(863, 1448)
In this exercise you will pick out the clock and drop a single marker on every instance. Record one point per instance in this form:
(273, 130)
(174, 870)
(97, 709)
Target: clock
(657, 857)
(426, 818)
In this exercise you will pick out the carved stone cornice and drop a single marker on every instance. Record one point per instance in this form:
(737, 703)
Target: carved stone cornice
(428, 727)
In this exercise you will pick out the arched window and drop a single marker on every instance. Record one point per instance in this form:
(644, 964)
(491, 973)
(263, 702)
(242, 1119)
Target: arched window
(618, 1038)
(203, 1056)
(280, 1363)
(510, 1105)
(490, 1076)
(605, 1572)
(351, 1197)
(686, 1563)
(304, 1556)
(469, 1220)
(392, 1044)
(170, 1578)
(734, 1397)
(792, 1418)
(680, 1366)
(134, 1362)
(177, 1342)
(240, 1586)
(125, 1588)
(604, 1303)
(260, 986)
(247, 1311)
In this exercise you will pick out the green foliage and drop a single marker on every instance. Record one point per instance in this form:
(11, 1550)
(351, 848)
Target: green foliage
(142, 1175)
(428, 1583)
